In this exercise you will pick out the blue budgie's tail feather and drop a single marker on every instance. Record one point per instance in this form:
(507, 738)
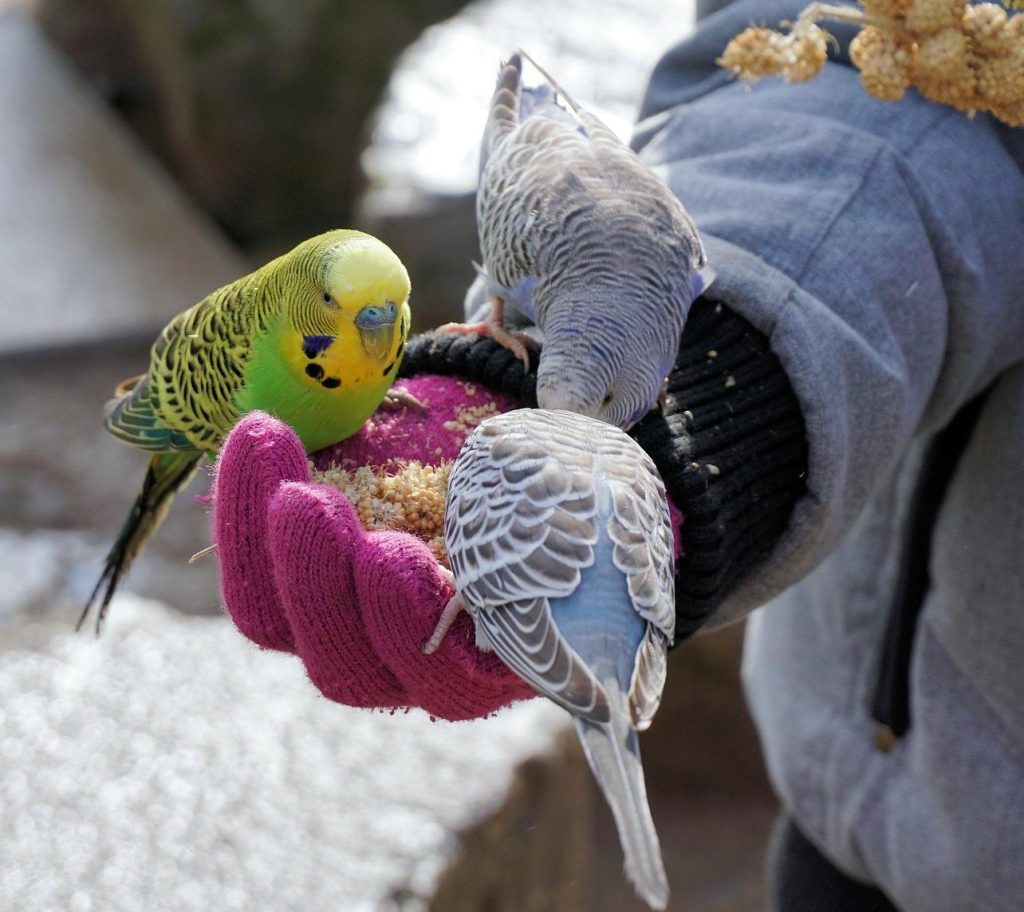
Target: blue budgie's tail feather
(566, 97)
(541, 101)
(537, 99)
(613, 752)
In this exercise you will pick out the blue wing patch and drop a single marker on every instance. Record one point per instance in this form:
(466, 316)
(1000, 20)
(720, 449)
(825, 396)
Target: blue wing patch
(130, 417)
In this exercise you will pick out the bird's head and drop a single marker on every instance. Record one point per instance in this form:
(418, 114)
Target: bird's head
(347, 298)
(597, 368)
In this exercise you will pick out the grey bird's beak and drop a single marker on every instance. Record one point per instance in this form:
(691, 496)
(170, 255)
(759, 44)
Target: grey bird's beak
(376, 325)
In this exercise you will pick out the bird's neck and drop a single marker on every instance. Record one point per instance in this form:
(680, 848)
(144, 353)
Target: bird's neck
(278, 382)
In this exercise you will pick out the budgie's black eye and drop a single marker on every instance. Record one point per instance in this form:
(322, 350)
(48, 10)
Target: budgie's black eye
(327, 298)
(608, 398)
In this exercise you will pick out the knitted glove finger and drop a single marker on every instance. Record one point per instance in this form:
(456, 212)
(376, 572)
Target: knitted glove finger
(259, 455)
(355, 607)
(457, 681)
(315, 540)
(403, 593)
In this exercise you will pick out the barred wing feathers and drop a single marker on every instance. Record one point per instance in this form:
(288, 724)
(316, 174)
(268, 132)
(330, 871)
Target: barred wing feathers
(521, 525)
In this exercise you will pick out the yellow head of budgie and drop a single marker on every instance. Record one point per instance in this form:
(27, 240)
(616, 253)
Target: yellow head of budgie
(325, 364)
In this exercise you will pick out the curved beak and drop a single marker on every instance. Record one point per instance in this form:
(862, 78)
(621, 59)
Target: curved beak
(376, 325)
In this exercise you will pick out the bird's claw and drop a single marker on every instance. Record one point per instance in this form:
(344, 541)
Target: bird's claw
(444, 623)
(482, 328)
(396, 398)
(515, 342)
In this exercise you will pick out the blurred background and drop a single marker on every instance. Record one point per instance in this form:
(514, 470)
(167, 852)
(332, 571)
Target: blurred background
(152, 150)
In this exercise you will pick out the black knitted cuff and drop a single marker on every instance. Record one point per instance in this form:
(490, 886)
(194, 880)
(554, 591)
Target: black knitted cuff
(730, 445)
(476, 358)
(729, 442)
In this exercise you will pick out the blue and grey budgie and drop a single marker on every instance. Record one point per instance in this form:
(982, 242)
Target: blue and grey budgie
(581, 238)
(558, 535)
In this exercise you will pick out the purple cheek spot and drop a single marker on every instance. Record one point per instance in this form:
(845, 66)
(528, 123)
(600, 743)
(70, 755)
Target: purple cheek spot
(315, 345)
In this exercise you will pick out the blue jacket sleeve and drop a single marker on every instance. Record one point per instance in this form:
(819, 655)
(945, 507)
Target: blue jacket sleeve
(878, 245)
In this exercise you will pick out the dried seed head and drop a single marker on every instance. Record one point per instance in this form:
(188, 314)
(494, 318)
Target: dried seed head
(940, 54)
(986, 27)
(755, 52)
(966, 56)
(1012, 114)
(885, 9)
(926, 17)
(881, 63)
(808, 52)
(942, 70)
(1000, 82)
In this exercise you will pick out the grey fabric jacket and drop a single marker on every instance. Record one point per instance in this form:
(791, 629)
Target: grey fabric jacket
(880, 247)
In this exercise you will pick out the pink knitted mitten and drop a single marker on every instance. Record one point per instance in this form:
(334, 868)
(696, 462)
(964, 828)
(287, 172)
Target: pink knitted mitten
(300, 574)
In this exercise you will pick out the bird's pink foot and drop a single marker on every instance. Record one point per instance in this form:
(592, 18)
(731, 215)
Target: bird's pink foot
(515, 342)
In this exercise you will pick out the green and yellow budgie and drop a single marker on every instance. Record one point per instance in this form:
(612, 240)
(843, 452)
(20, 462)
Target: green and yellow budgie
(315, 338)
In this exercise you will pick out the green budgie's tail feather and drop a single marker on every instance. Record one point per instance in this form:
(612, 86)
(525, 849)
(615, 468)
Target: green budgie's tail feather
(168, 473)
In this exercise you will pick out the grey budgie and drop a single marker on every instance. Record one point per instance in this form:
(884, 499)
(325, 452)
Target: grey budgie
(558, 533)
(581, 238)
